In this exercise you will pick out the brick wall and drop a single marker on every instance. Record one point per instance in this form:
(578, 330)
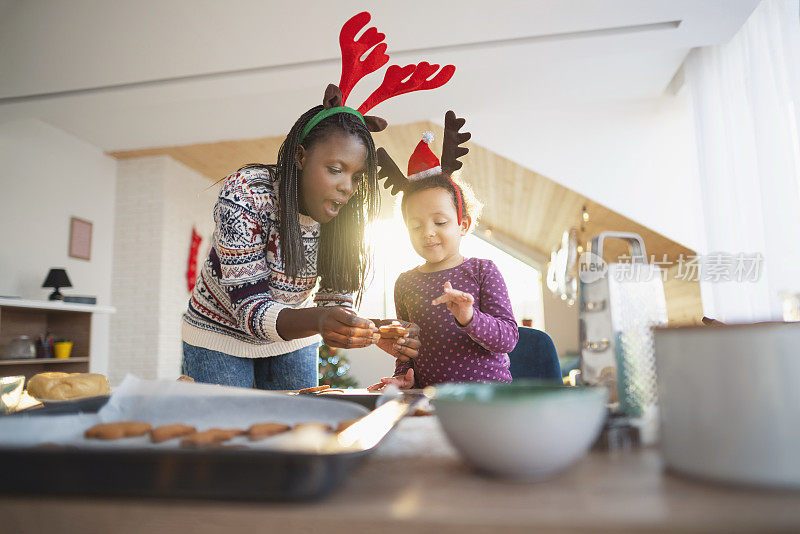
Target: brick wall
(158, 201)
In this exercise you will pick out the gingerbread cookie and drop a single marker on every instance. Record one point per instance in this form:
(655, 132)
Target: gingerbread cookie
(394, 329)
(316, 389)
(210, 437)
(265, 430)
(118, 430)
(322, 426)
(168, 432)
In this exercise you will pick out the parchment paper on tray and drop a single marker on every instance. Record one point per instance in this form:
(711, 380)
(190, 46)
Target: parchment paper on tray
(161, 402)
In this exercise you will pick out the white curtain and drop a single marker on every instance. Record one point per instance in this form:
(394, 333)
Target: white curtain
(745, 95)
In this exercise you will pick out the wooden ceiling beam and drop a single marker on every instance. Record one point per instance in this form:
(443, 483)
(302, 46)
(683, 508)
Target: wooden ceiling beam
(523, 206)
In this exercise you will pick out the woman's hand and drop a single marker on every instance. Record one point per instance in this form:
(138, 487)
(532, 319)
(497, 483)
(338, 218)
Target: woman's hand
(405, 347)
(458, 303)
(342, 328)
(403, 382)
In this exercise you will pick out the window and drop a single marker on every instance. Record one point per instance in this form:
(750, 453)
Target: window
(393, 255)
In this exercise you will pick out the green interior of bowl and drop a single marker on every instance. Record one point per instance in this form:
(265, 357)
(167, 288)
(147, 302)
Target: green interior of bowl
(517, 390)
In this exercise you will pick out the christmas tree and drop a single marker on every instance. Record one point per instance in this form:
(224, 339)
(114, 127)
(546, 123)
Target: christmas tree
(333, 367)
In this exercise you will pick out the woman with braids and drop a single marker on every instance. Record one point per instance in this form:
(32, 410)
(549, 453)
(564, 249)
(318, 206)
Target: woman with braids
(280, 229)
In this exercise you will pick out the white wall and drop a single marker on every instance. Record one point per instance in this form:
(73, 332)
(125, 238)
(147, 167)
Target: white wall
(188, 202)
(137, 268)
(158, 202)
(48, 176)
(635, 157)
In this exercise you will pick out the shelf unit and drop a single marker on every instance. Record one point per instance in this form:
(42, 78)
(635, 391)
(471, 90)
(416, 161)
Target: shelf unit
(62, 320)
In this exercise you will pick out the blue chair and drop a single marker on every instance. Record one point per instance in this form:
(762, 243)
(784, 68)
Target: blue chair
(534, 356)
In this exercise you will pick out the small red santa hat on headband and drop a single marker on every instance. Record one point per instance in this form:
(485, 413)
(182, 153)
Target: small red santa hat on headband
(423, 162)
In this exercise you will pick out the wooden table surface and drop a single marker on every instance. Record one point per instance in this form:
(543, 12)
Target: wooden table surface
(604, 492)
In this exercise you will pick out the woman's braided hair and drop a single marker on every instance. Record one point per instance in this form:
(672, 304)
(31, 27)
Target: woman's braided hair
(343, 257)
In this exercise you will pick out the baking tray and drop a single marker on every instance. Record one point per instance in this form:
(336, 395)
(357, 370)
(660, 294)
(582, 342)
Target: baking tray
(87, 405)
(368, 399)
(263, 474)
(208, 474)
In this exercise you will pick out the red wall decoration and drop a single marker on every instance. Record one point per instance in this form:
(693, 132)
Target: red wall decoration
(191, 268)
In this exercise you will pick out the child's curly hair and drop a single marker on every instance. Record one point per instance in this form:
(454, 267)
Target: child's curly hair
(470, 205)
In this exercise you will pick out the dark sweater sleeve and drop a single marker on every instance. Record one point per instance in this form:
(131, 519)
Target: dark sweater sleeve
(493, 325)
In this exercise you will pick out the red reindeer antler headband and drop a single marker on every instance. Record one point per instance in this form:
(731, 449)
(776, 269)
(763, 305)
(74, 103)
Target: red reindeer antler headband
(424, 163)
(396, 81)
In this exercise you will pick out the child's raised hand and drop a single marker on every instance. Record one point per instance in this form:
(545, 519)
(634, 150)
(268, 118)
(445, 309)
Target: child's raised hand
(403, 382)
(342, 328)
(459, 303)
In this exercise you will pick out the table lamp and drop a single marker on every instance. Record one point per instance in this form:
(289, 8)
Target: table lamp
(57, 278)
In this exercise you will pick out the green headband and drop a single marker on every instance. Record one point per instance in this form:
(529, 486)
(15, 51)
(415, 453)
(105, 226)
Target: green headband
(327, 113)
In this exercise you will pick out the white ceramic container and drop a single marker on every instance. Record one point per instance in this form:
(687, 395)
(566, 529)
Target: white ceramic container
(524, 430)
(730, 402)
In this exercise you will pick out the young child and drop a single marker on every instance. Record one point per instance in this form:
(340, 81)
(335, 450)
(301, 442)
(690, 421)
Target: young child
(460, 304)
(281, 228)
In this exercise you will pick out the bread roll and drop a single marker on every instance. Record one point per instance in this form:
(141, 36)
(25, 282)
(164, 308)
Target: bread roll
(67, 386)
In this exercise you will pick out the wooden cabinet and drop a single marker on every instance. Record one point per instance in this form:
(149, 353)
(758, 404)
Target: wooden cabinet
(62, 320)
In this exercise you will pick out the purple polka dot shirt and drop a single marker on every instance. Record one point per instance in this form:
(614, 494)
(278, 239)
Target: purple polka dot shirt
(451, 353)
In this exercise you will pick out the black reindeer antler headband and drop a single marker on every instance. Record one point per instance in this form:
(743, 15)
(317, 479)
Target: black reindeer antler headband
(423, 162)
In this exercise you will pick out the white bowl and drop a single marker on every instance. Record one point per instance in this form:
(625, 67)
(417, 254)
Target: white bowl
(730, 403)
(524, 430)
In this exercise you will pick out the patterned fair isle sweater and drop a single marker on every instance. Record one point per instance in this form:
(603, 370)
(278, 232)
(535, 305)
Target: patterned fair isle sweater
(449, 352)
(242, 285)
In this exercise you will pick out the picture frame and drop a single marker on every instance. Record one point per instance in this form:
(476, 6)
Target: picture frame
(80, 239)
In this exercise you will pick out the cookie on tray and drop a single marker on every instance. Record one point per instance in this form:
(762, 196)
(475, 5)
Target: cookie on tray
(118, 430)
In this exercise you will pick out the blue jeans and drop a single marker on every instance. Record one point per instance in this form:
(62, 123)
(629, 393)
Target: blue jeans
(293, 370)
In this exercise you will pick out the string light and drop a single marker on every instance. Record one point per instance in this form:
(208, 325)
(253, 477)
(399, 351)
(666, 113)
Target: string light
(584, 220)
